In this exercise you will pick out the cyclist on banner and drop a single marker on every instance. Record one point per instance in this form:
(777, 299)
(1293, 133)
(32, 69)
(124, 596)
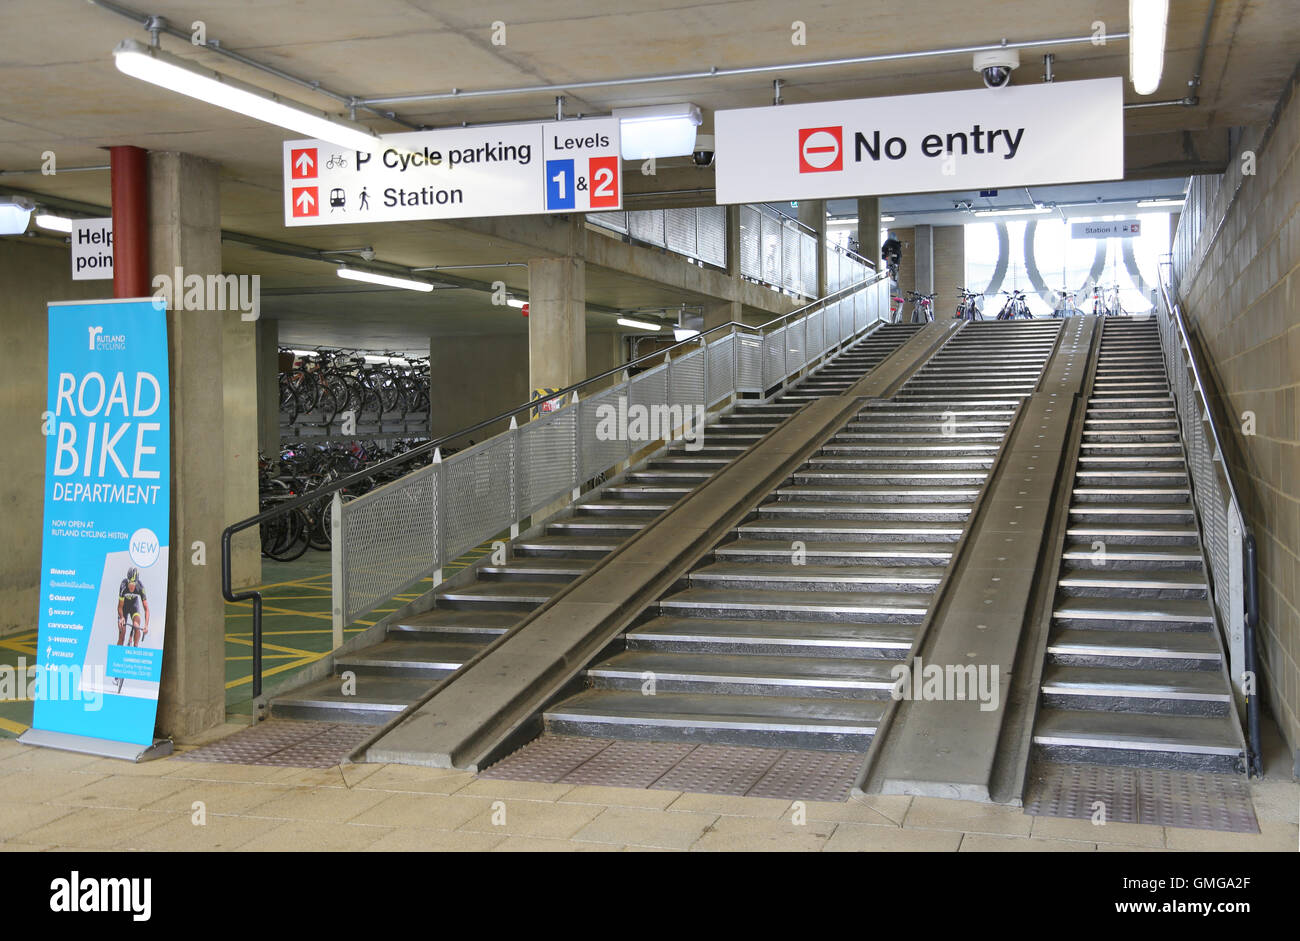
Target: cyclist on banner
(131, 604)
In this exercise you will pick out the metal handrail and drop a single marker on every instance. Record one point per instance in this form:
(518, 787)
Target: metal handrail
(227, 590)
(1250, 560)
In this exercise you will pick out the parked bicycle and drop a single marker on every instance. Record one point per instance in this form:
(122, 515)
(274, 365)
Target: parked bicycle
(1015, 308)
(1065, 305)
(968, 307)
(922, 307)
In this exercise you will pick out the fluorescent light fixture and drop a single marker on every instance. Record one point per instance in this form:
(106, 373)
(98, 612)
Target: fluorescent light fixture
(390, 360)
(1147, 20)
(1034, 211)
(657, 130)
(54, 223)
(638, 324)
(847, 220)
(886, 218)
(160, 68)
(356, 274)
(516, 302)
(684, 333)
(1142, 203)
(15, 212)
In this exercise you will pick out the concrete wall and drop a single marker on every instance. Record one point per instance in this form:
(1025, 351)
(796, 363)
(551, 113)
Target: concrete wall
(473, 378)
(1241, 291)
(32, 272)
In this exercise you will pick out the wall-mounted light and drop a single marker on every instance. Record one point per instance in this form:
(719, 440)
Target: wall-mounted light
(658, 130)
(1147, 21)
(638, 324)
(165, 70)
(357, 274)
(15, 212)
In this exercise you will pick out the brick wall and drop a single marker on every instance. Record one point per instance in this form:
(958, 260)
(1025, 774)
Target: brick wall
(949, 268)
(1240, 286)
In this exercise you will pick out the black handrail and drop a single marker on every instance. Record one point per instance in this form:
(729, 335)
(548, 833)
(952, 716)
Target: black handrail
(374, 470)
(1249, 556)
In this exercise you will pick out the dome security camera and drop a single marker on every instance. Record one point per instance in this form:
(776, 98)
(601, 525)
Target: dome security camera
(703, 152)
(997, 66)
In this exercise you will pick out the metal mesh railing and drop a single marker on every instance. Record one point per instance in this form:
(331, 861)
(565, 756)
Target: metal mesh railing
(1222, 524)
(407, 530)
(696, 232)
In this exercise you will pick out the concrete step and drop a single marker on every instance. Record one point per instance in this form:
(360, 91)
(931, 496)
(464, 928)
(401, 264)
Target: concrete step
(1137, 614)
(787, 577)
(373, 701)
(744, 675)
(1147, 690)
(777, 722)
(1194, 743)
(1161, 650)
(399, 657)
(772, 637)
(837, 553)
(796, 605)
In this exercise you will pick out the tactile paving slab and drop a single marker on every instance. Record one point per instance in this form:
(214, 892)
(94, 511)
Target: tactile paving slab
(1141, 795)
(703, 769)
(290, 743)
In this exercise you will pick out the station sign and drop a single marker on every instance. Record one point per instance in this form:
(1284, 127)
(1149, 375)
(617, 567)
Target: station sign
(985, 138)
(92, 249)
(496, 170)
(1115, 229)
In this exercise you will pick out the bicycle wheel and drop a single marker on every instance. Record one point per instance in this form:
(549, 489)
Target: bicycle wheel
(296, 536)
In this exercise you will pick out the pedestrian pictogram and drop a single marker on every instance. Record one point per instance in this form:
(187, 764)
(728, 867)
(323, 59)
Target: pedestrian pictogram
(306, 201)
(302, 163)
(821, 149)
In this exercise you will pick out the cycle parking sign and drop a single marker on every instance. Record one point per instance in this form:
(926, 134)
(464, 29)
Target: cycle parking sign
(495, 170)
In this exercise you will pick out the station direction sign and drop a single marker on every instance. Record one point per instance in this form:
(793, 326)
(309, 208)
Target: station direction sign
(494, 170)
(1059, 132)
(1113, 229)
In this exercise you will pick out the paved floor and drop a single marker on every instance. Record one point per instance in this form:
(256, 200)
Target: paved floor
(59, 800)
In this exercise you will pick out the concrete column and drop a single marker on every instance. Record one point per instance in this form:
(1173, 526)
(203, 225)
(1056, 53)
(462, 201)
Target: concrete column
(733, 241)
(923, 252)
(268, 387)
(557, 322)
(869, 228)
(185, 232)
(812, 213)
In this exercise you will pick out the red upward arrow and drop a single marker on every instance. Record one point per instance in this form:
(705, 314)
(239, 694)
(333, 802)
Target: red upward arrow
(304, 163)
(304, 201)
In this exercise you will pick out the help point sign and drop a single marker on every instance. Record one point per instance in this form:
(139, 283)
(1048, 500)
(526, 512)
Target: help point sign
(1060, 132)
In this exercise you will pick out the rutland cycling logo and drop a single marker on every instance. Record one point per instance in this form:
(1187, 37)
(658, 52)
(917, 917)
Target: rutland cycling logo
(99, 340)
(821, 149)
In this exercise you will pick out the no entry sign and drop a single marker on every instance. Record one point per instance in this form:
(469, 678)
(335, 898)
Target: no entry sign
(498, 170)
(1061, 132)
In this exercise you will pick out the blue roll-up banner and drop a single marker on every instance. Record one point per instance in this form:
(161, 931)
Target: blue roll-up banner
(103, 595)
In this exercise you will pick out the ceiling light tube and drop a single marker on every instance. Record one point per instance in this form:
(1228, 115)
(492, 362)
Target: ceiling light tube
(1034, 211)
(54, 223)
(1147, 21)
(638, 324)
(165, 70)
(516, 302)
(657, 131)
(684, 333)
(1159, 203)
(886, 218)
(357, 274)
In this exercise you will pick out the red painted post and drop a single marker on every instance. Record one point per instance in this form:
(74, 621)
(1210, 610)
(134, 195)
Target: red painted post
(130, 185)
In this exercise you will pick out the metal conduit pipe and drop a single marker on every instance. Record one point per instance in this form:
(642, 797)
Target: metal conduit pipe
(716, 72)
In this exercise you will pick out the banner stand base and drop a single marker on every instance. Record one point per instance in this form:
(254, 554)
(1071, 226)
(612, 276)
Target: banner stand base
(103, 747)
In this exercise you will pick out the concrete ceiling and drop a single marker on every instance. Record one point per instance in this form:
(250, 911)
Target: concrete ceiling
(63, 94)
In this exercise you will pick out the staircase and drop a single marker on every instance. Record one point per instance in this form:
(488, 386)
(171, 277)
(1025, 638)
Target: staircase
(786, 634)
(421, 651)
(1135, 671)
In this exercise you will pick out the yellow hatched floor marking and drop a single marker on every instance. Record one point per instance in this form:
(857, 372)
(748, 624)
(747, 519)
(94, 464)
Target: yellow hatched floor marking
(247, 680)
(9, 726)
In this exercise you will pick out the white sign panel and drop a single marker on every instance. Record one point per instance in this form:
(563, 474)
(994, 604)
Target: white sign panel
(92, 249)
(1118, 229)
(499, 170)
(1059, 132)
